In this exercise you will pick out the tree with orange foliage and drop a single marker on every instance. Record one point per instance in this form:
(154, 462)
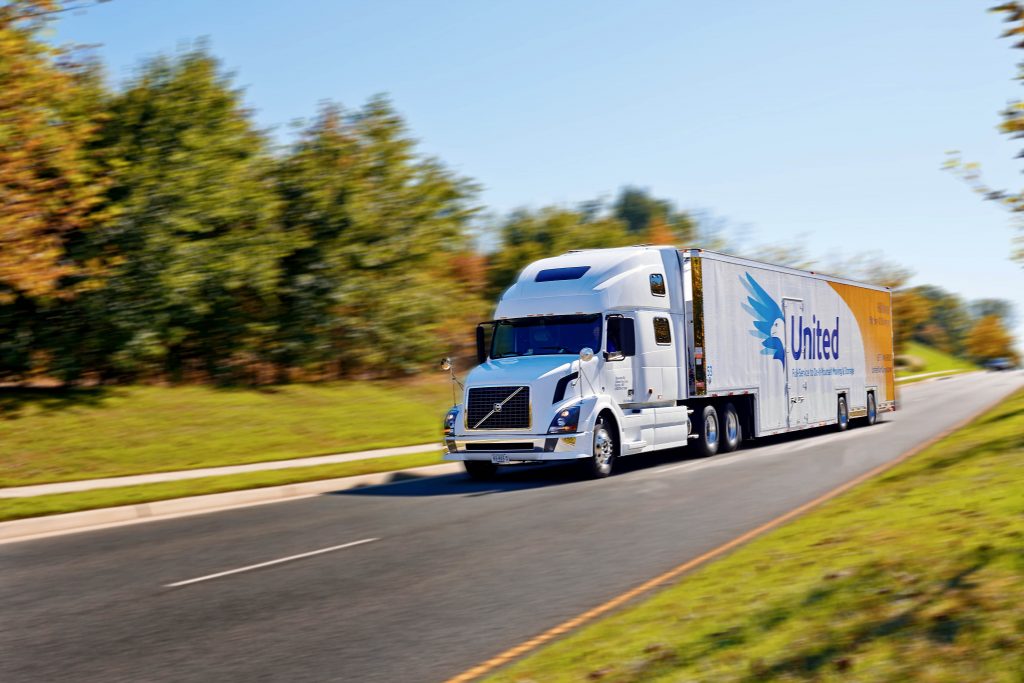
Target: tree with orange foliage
(658, 232)
(988, 339)
(47, 186)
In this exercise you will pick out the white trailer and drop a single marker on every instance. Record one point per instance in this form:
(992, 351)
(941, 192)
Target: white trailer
(599, 354)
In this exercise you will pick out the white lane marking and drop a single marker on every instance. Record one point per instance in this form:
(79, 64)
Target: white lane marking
(290, 558)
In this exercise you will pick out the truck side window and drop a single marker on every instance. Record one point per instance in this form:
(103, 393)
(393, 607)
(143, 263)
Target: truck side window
(662, 333)
(621, 338)
(658, 284)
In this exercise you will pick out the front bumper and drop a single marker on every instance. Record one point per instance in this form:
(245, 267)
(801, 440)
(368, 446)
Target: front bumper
(519, 447)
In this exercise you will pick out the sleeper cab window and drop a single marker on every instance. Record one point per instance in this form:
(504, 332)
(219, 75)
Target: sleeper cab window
(662, 334)
(658, 284)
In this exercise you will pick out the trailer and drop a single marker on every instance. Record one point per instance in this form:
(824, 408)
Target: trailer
(598, 354)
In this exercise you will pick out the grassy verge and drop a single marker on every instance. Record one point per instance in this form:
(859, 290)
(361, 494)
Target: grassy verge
(915, 575)
(913, 379)
(932, 360)
(37, 506)
(51, 435)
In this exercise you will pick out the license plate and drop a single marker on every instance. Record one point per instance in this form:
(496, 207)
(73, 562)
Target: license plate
(500, 458)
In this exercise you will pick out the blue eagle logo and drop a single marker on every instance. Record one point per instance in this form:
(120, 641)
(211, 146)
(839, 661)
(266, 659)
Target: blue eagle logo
(766, 314)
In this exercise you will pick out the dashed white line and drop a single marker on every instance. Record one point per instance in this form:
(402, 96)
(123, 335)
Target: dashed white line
(290, 558)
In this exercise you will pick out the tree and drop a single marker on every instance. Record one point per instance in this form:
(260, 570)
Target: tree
(640, 211)
(910, 312)
(1012, 125)
(196, 235)
(530, 235)
(378, 227)
(1001, 308)
(988, 339)
(48, 187)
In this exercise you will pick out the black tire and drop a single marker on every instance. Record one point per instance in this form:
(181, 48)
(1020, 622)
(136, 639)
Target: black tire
(605, 449)
(480, 470)
(732, 429)
(842, 415)
(709, 432)
(872, 416)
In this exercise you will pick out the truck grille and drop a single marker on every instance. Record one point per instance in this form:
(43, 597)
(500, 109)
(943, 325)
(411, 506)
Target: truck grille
(514, 412)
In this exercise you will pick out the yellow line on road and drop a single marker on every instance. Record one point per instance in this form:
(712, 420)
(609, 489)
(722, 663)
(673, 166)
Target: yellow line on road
(591, 614)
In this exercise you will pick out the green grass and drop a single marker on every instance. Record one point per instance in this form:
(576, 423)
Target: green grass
(917, 575)
(52, 435)
(933, 360)
(37, 506)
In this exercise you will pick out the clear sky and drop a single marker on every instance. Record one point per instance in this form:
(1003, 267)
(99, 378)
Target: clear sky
(818, 123)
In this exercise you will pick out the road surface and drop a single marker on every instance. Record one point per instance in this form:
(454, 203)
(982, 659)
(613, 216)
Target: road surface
(416, 581)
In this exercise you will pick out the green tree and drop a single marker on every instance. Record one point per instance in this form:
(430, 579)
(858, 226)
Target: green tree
(370, 286)
(530, 235)
(640, 212)
(196, 235)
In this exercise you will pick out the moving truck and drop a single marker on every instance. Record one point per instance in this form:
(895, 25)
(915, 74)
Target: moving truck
(603, 353)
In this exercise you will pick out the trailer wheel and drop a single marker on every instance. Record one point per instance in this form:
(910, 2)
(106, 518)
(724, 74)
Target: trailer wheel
(709, 432)
(872, 409)
(480, 470)
(732, 432)
(842, 415)
(599, 465)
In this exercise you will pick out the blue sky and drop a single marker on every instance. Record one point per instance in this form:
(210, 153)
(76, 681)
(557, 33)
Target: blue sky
(820, 124)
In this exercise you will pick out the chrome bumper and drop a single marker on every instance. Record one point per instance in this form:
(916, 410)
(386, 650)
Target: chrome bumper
(525, 448)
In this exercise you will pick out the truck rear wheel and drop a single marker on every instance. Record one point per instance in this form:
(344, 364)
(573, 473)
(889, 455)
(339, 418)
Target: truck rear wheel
(480, 470)
(709, 432)
(732, 432)
(842, 415)
(872, 409)
(599, 465)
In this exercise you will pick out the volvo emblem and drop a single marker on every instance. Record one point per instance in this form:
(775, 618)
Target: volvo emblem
(497, 407)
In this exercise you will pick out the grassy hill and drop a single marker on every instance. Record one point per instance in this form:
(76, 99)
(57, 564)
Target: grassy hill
(928, 359)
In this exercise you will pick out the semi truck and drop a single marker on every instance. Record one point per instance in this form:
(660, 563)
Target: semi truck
(600, 354)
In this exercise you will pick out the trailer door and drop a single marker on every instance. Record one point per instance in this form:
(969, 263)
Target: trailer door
(796, 387)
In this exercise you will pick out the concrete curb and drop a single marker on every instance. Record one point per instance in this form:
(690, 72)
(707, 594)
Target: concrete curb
(89, 520)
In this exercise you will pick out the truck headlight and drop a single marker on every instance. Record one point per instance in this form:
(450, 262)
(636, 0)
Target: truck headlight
(449, 421)
(566, 420)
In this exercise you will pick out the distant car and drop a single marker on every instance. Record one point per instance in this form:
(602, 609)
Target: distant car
(999, 364)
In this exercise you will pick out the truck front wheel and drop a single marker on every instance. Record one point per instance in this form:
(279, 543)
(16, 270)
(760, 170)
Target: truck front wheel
(709, 432)
(599, 465)
(480, 470)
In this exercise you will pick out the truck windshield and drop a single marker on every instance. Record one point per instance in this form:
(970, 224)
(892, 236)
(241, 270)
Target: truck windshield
(545, 335)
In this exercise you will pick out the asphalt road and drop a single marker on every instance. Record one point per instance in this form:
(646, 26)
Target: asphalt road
(457, 573)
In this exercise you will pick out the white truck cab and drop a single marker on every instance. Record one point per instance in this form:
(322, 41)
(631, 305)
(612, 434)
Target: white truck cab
(597, 354)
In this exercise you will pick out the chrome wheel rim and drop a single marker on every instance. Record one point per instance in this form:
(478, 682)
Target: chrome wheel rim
(731, 426)
(711, 429)
(872, 411)
(603, 449)
(843, 417)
